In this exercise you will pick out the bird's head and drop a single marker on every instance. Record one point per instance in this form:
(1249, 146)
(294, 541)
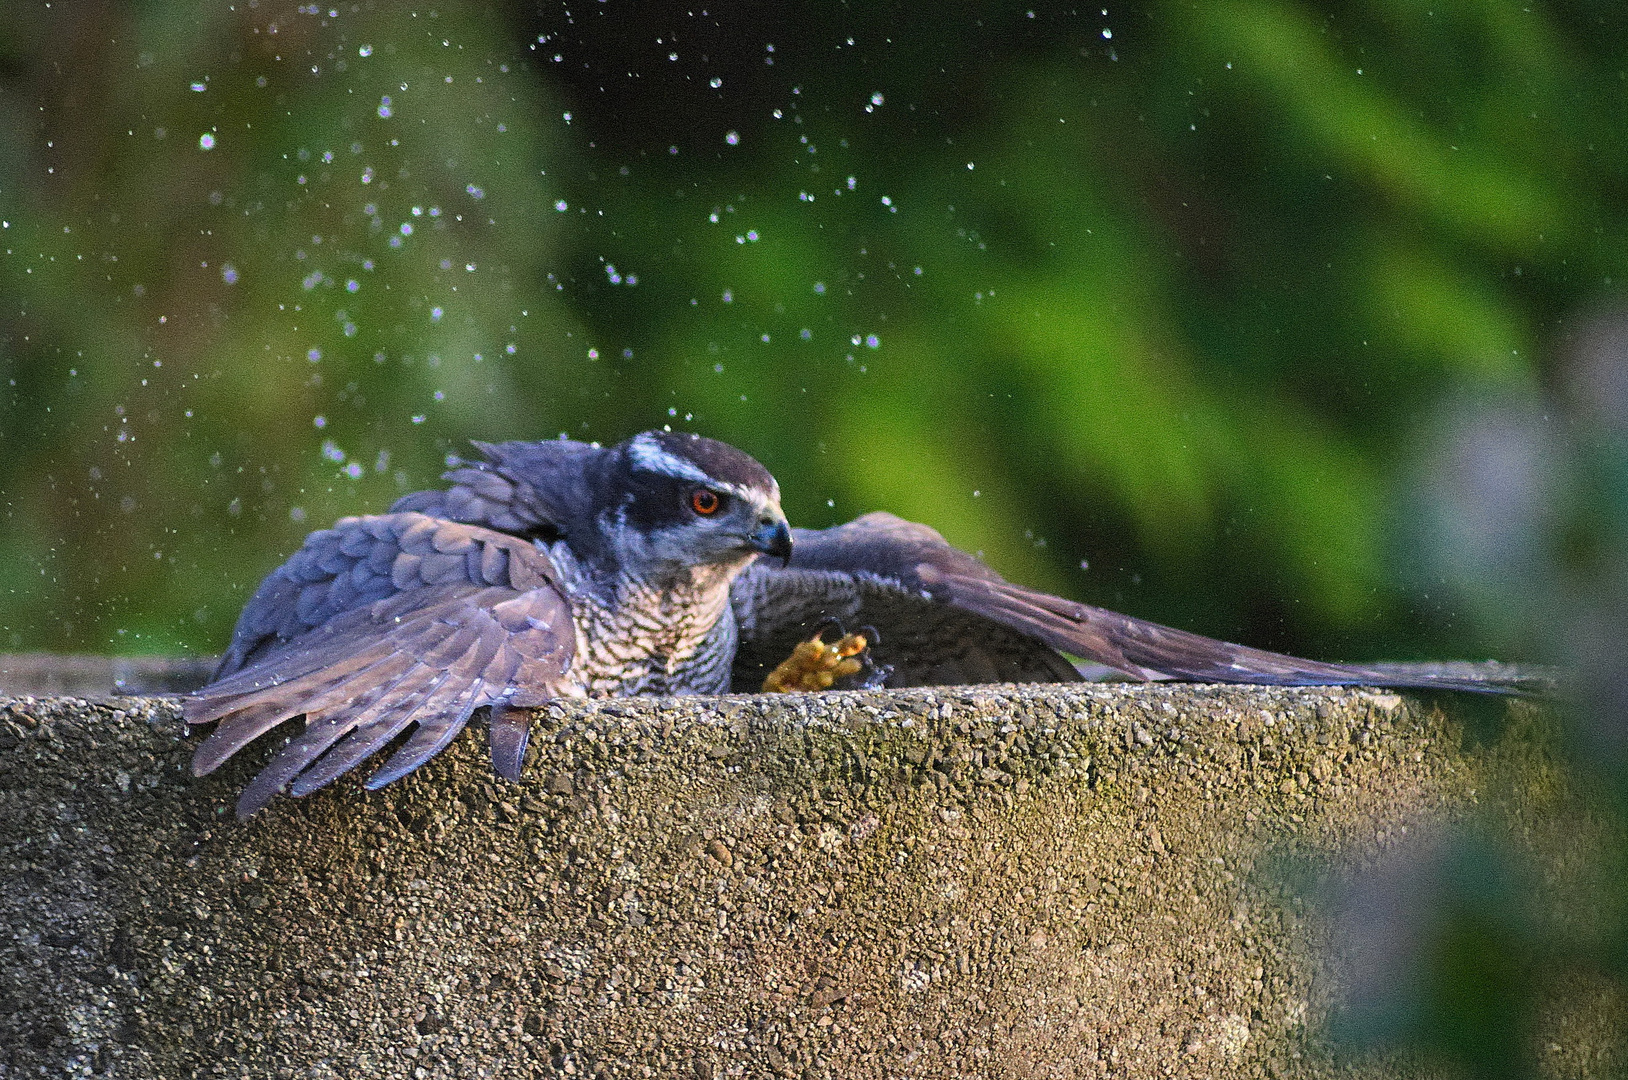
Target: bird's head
(682, 501)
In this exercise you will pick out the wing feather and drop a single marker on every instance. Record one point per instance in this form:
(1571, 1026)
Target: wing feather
(418, 621)
(450, 708)
(935, 601)
(509, 733)
(320, 734)
(388, 719)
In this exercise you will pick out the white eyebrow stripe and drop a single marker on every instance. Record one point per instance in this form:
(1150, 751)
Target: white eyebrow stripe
(647, 454)
(749, 494)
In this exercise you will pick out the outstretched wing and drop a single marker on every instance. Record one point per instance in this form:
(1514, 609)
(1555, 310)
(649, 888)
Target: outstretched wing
(377, 624)
(945, 617)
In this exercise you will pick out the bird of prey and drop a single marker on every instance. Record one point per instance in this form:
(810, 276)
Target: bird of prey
(562, 569)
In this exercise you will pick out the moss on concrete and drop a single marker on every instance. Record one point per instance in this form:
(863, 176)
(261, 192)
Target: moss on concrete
(989, 881)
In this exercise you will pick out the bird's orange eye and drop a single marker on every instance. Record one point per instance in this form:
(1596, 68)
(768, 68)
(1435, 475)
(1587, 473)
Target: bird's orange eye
(705, 501)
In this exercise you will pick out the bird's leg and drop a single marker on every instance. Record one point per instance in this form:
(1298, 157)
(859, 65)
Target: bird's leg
(870, 675)
(815, 665)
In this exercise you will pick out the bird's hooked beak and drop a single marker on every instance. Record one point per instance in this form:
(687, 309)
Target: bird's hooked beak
(773, 537)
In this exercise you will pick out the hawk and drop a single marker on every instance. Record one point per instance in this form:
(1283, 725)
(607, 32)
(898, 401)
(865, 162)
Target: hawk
(561, 569)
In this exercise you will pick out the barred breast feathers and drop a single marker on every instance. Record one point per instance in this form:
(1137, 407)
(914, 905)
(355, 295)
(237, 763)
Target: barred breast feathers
(638, 637)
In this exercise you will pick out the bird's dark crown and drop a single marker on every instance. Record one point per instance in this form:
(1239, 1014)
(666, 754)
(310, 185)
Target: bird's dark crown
(700, 460)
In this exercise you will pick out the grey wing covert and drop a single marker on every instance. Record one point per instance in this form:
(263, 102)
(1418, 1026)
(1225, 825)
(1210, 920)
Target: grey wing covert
(378, 624)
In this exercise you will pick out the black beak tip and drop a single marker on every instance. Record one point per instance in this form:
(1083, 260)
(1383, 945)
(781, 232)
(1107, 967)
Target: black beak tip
(774, 538)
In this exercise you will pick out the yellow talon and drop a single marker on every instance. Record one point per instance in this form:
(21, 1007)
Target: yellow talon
(814, 665)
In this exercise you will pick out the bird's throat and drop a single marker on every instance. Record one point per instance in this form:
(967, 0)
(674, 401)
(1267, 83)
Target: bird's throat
(672, 636)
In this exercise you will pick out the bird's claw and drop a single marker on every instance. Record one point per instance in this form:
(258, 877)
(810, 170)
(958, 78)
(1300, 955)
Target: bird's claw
(817, 665)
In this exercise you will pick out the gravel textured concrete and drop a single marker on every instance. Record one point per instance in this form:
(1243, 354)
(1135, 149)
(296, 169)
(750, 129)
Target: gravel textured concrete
(990, 881)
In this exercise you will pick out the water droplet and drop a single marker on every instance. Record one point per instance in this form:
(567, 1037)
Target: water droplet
(715, 82)
(228, 274)
(876, 99)
(435, 314)
(385, 111)
(319, 422)
(561, 206)
(733, 138)
(352, 285)
(206, 141)
(364, 50)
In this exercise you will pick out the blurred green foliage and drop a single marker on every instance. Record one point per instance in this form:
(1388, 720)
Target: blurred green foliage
(1171, 290)
(1251, 304)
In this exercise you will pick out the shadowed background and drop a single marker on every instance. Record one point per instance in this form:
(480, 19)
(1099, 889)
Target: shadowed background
(1286, 323)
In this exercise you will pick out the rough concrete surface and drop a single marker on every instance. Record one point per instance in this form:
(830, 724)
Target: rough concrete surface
(992, 881)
